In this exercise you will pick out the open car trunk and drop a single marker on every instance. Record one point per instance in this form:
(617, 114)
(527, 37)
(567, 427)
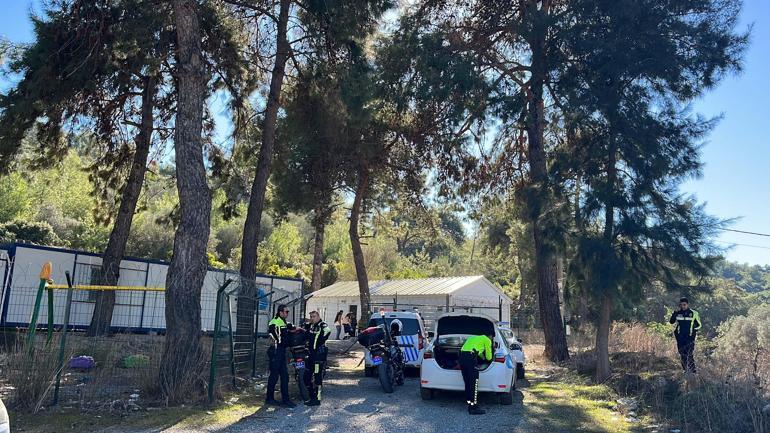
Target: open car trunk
(451, 333)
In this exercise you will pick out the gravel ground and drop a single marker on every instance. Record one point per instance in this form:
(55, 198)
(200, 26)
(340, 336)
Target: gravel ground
(354, 403)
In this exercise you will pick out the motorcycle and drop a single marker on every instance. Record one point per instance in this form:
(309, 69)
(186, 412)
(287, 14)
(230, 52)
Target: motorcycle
(299, 356)
(386, 355)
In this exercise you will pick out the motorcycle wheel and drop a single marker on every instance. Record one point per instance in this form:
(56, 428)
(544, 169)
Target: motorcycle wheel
(304, 393)
(385, 371)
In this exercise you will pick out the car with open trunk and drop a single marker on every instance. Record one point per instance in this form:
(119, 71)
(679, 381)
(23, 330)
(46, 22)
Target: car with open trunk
(440, 369)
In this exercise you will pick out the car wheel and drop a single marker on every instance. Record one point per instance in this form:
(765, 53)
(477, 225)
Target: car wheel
(519, 371)
(506, 399)
(426, 393)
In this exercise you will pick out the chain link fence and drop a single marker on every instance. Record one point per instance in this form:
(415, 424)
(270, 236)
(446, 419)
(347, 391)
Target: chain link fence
(49, 360)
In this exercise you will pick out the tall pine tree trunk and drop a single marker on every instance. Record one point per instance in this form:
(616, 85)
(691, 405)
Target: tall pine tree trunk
(362, 184)
(116, 246)
(603, 340)
(605, 315)
(319, 222)
(538, 200)
(251, 227)
(182, 359)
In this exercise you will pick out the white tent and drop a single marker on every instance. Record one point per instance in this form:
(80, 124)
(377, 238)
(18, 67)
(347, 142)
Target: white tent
(431, 296)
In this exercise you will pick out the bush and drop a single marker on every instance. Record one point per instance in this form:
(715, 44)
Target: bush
(40, 233)
(743, 346)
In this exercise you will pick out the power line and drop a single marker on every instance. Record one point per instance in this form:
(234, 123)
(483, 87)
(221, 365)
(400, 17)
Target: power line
(744, 245)
(746, 232)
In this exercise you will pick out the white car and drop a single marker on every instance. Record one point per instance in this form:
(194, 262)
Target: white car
(517, 350)
(5, 425)
(440, 369)
(412, 340)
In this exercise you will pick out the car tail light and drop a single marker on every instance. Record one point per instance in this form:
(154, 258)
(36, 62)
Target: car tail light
(423, 381)
(420, 341)
(499, 358)
(427, 355)
(502, 386)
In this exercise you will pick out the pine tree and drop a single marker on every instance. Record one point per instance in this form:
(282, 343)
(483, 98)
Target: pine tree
(625, 98)
(105, 68)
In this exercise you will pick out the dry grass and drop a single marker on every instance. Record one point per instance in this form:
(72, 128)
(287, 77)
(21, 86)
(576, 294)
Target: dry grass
(31, 375)
(727, 395)
(30, 380)
(723, 397)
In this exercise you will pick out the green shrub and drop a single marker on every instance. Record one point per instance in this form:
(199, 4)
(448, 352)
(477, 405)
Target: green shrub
(34, 232)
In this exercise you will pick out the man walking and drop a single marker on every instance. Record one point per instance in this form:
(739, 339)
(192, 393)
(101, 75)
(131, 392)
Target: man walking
(276, 354)
(319, 332)
(475, 347)
(687, 323)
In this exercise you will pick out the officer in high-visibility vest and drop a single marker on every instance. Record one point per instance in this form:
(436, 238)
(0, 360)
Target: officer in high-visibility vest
(318, 332)
(687, 323)
(475, 348)
(276, 355)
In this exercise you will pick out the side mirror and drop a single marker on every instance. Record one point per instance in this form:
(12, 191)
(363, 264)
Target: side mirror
(431, 334)
(519, 340)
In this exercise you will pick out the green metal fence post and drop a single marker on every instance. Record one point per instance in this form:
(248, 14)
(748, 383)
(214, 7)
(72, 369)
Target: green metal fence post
(217, 326)
(63, 342)
(45, 276)
(50, 317)
(256, 334)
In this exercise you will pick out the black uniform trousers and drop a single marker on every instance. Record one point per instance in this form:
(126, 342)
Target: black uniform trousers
(686, 346)
(468, 362)
(276, 357)
(314, 374)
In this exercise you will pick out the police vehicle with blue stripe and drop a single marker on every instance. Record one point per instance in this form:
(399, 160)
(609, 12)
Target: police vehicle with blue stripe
(412, 338)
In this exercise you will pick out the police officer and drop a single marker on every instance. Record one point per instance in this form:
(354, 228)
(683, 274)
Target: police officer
(686, 329)
(278, 329)
(318, 332)
(475, 348)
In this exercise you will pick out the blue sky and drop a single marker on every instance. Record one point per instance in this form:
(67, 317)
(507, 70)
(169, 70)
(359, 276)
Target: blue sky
(736, 176)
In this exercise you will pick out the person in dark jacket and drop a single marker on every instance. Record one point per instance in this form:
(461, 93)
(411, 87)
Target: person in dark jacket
(278, 330)
(318, 332)
(353, 324)
(687, 323)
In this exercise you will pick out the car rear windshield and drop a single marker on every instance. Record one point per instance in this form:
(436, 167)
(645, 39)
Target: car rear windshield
(468, 325)
(409, 326)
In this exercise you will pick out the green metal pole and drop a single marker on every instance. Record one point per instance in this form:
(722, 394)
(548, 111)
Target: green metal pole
(217, 329)
(45, 276)
(50, 317)
(63, 342)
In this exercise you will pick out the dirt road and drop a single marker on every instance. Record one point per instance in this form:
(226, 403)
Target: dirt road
(357, 404)
(354, 403)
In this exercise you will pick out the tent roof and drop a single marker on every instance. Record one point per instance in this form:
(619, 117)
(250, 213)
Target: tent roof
(414, 287)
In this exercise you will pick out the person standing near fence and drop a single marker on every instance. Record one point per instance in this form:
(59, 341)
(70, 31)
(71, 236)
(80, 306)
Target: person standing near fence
(338, 324)
(318, 332)
(278, 329)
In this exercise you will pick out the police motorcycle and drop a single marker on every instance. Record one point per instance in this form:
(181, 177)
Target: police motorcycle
(387, 357)
(299, 355)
